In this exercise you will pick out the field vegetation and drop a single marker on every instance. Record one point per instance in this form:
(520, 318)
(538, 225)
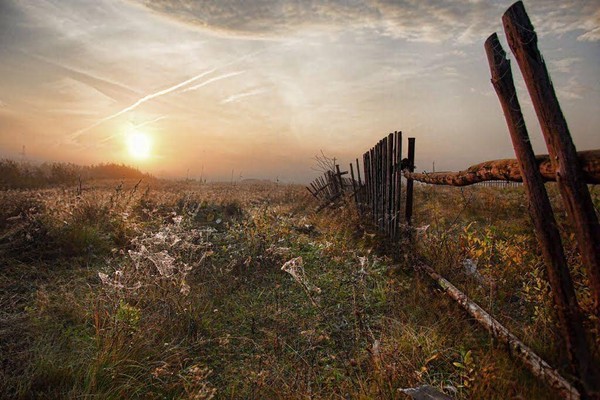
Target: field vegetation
(19, 175)
(159, 290)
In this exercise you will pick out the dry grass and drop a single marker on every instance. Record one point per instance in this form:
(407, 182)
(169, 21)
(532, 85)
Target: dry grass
(177, 291)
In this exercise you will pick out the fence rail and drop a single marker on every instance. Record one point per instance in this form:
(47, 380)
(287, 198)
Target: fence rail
(509, 170)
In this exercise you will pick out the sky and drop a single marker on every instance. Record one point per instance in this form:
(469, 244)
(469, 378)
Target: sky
(256, 89)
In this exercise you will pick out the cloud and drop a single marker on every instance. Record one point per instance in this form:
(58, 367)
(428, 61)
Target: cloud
(590, 36)
(426, 20)
(572, 90)
(113, 90)
(461, 21)
(564, 65)
(557, 18)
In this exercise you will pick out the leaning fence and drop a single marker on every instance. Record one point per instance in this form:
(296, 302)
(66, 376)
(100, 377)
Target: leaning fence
(380, 198)
(331, 186)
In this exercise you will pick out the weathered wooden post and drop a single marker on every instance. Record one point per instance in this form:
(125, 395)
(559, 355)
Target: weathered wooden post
(340, 181)
(541, 215)
(354, 188)
(378, 193)
(315, 191)
(409, 181)
(366, 191)
(361, 189)
(398, 167)
(373, 185)
(390, 184)
(522, 40)
(383, 183)
(358, 173)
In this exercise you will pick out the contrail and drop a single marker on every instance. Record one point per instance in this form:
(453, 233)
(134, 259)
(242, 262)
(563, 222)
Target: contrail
(218, 78)
(143, 100)
(149, 97)
(235, 97)
(150, 121)
(106, 139)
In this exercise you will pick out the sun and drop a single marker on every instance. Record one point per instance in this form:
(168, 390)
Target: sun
(139, 145)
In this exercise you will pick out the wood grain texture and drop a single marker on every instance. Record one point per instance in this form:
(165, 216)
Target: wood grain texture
(522, 40)
(546, 229)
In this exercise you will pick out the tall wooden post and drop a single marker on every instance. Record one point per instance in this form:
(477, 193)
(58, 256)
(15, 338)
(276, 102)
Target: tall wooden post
(522, 40)
(541, 214)
(409, 181)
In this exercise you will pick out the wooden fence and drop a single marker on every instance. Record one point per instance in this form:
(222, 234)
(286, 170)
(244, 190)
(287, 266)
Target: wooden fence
(331, 187)
(380, 198)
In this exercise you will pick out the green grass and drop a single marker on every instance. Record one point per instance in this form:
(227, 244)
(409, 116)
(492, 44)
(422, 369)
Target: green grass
(178, 291)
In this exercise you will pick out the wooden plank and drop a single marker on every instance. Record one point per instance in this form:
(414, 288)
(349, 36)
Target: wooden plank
(377, 182)
(508, 170)
(517, 348)
(373, 186)
(314, 188)
(354, 188)
(366, 201)
(394, 186)
(338, 175)
(361, 190)
(522, 40)
(398, 179)
(390, 182)
(382, 148)
(384, 186)
(409, 181)
(541, 214)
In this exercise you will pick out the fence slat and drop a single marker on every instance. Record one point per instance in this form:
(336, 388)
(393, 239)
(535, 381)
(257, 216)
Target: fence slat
(398, 179)
(373, 185)
(354, 188)
(409, 182)
(390, 182)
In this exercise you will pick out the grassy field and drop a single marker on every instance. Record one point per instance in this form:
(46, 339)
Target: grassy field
(189, 291)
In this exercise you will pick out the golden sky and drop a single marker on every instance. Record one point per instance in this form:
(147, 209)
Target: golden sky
(260, 87)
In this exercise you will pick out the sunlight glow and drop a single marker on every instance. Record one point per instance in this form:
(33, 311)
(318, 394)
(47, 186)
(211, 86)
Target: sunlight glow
(139, 145)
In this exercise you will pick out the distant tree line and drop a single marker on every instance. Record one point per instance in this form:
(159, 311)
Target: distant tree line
(18, 175)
